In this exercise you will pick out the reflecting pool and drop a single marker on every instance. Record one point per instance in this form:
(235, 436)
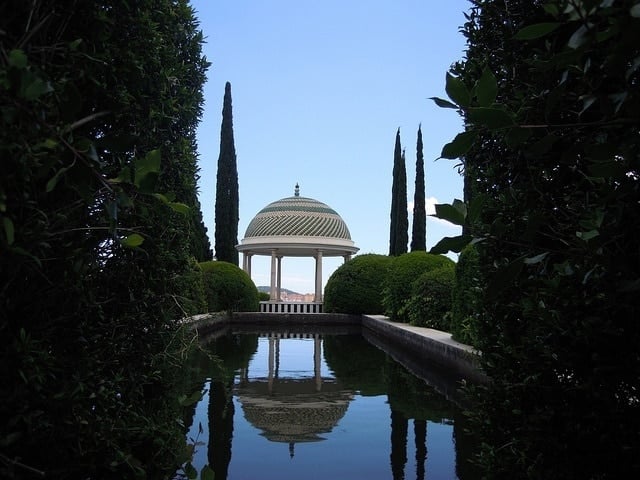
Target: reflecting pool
(319, 406)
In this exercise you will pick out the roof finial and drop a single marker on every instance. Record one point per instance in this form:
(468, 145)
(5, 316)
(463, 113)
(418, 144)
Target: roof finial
(297, 190)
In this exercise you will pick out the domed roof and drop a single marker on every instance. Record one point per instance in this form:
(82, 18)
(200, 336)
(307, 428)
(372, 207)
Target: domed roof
(294, 410)
(297, 226)
(298, 216)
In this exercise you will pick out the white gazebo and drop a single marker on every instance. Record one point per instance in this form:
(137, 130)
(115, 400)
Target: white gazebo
(295, 227)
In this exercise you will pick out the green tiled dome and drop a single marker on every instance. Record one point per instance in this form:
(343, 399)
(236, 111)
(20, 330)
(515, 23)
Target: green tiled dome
(298, 216)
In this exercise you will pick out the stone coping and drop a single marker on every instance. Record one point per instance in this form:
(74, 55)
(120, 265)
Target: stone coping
(430, 345)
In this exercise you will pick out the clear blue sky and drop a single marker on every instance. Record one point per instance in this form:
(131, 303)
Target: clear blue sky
(319, 89)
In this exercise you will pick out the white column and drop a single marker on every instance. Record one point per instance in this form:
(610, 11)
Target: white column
(346, 258)
(279, 278)
(244, 261)
(316, 361)
(318, 295)
(272, 342)
(272, 291)
(249, 255)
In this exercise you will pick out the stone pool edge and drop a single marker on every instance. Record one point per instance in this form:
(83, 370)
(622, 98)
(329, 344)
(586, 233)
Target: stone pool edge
(430, 344)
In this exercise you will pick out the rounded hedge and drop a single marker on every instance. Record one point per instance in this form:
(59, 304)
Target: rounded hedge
(403, 271)
(228, 288)
(356, 286)
(430, 302)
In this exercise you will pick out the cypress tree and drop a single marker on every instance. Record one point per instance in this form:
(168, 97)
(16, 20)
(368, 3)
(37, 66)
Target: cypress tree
(227, 215)
(419, 228)
(399, 227)
(397, 152)
(402, 230)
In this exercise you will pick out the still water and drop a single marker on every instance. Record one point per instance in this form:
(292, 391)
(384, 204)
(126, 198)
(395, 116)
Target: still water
(319, 406)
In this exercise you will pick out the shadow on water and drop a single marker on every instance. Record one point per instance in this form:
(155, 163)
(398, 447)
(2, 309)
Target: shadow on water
(338, 402)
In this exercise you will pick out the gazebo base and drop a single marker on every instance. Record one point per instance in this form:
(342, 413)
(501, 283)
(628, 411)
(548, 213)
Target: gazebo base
(291, 307)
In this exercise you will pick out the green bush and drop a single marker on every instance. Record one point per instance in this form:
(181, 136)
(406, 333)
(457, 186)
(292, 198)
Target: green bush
(466, 297)
(403, 271)
(228, 288)
(430, 302)
(264, 296)
(356, 286)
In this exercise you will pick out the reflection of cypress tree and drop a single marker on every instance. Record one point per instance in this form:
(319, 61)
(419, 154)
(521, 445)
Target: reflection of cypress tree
(399, 426)
(220, 427)
(420, 432)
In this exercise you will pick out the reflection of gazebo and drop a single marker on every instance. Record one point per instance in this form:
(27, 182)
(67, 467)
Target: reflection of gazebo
(293, 410)
(296, 227)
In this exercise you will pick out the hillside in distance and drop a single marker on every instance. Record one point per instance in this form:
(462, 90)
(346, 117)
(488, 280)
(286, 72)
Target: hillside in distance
(267, 289)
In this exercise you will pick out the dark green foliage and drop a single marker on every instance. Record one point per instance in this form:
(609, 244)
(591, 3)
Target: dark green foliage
(264, 296)
(191, 282)
(399, 225)
(99, 105)
(467, 297)
(551, 100)
(430, 301)
(419, 226)
(227, 213)
(403, 271)
(228, 288)
(200, 245)
(356, 286)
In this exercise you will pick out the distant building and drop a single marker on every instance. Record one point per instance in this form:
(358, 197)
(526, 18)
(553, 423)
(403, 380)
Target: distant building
(287, 296)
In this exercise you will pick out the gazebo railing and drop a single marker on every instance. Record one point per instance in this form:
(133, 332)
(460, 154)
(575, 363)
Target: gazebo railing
(291, 307)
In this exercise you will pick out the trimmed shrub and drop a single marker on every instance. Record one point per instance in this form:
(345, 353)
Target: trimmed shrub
(466, 297)
(403, 271)
(264, 296)
(430, 302)
(356, 286)
(228, 288)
